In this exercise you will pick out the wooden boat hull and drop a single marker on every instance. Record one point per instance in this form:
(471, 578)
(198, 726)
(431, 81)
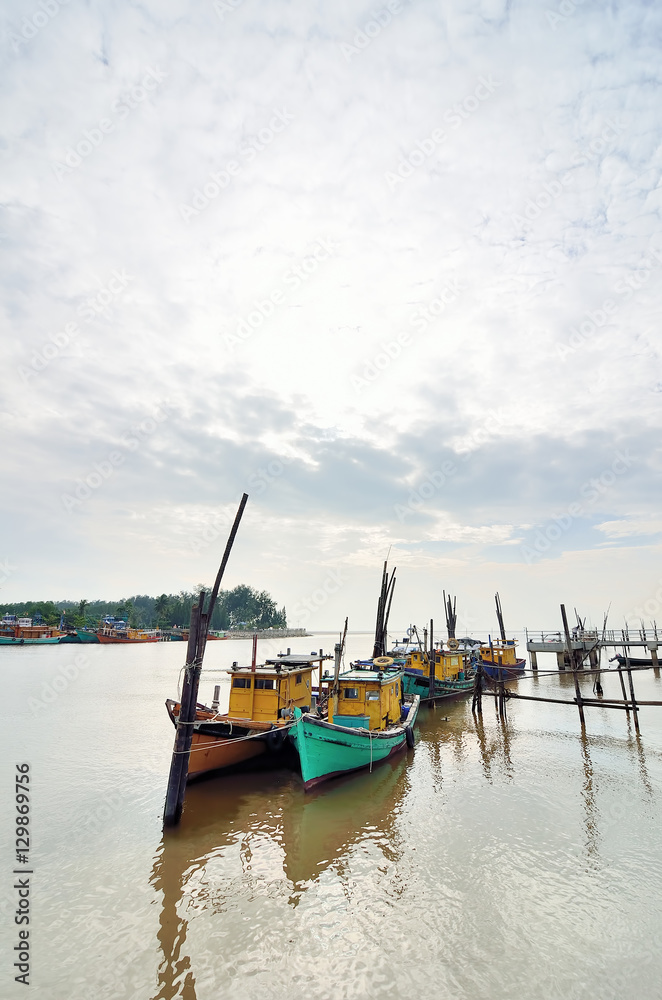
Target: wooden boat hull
(633, 661)
(84, 636)
(447, 690)
(499, 672)
(113, 638)
(6, 641)
(327, 750)
(219, 744)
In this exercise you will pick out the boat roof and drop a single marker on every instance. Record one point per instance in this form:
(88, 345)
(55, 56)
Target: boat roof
(272, 668)
(298, 659)
(371, 676)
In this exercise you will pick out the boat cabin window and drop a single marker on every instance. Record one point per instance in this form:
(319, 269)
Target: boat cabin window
(350, 693)
(241, 682)
(298, 679)
(372, 696)
(266, 683)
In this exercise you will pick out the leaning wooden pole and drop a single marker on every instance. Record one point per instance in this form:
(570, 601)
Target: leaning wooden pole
(568, 640)
(432, 662)
(573, 666)
(389, 596)
(635, 710)
(477, 703)
(200, 622)
(499, 612)
(381, 608)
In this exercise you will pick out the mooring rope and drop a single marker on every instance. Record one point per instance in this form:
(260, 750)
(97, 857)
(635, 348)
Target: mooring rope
(236, 739)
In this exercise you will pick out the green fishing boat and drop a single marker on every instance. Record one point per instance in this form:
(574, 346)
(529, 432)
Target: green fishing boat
(370, 718)
(18, 641)
(85, 636)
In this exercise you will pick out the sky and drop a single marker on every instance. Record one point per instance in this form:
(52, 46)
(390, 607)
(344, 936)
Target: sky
(391, 269)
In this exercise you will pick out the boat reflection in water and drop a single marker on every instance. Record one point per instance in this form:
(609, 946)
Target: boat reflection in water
(320, 827)
(289, 837)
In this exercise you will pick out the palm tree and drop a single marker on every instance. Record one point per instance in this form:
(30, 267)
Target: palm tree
(162, 607)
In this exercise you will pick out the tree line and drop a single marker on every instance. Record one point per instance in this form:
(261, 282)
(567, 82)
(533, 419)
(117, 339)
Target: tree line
(241, 607)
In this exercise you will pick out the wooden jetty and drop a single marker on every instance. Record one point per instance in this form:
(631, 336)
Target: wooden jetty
(587, 644)
(572, 650)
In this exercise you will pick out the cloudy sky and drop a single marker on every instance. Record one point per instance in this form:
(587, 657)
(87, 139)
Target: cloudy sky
(392, 269)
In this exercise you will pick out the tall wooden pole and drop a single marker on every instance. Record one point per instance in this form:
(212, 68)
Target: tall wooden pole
(197, 641)
(625, 697)
(568, 640)
(388, 611)
(381, 609)
(573, 666)
(432, 661)
(500, 617)
(335, 691)
(477, 703)
(635, 710)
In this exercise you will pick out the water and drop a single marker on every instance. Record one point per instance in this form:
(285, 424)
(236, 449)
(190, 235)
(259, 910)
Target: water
(487, 864)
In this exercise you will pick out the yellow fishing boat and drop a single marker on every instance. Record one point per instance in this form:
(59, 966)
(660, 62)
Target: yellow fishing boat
(453, 673)
(261, 706)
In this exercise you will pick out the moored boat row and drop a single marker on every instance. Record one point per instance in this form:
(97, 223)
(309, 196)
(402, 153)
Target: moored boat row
(353, 720)
(357, 717)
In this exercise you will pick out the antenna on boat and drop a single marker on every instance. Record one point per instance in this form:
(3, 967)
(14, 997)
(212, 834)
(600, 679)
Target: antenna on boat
(200, 621)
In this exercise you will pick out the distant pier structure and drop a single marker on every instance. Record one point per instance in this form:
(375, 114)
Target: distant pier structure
(586, 644)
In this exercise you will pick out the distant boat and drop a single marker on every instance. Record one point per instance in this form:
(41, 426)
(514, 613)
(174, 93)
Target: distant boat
(368, 722)
(131, 636)
(632, 661)
(15, 631)
(85, 635)
(20, 641)
(117, 630)
(500, 661)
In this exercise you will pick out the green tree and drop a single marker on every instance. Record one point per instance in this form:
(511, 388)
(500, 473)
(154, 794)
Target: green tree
(127, 610)
(79, 617)
(162, 610)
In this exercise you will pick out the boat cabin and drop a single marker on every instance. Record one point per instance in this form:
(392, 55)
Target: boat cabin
(499, 651)
(26, 628)
(270, 692)
(448, 663)
(367, 699)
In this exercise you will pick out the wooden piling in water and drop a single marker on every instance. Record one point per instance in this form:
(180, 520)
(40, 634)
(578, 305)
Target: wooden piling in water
(502, 699)
(432, 662)
(477, 701)
(625, 697)
(635, 710)
(200, 622)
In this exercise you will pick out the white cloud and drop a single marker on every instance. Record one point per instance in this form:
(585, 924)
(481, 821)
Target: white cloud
(630, 528)
(566, 140)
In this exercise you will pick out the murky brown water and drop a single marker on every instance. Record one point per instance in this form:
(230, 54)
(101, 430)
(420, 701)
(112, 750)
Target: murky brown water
(491, 863)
